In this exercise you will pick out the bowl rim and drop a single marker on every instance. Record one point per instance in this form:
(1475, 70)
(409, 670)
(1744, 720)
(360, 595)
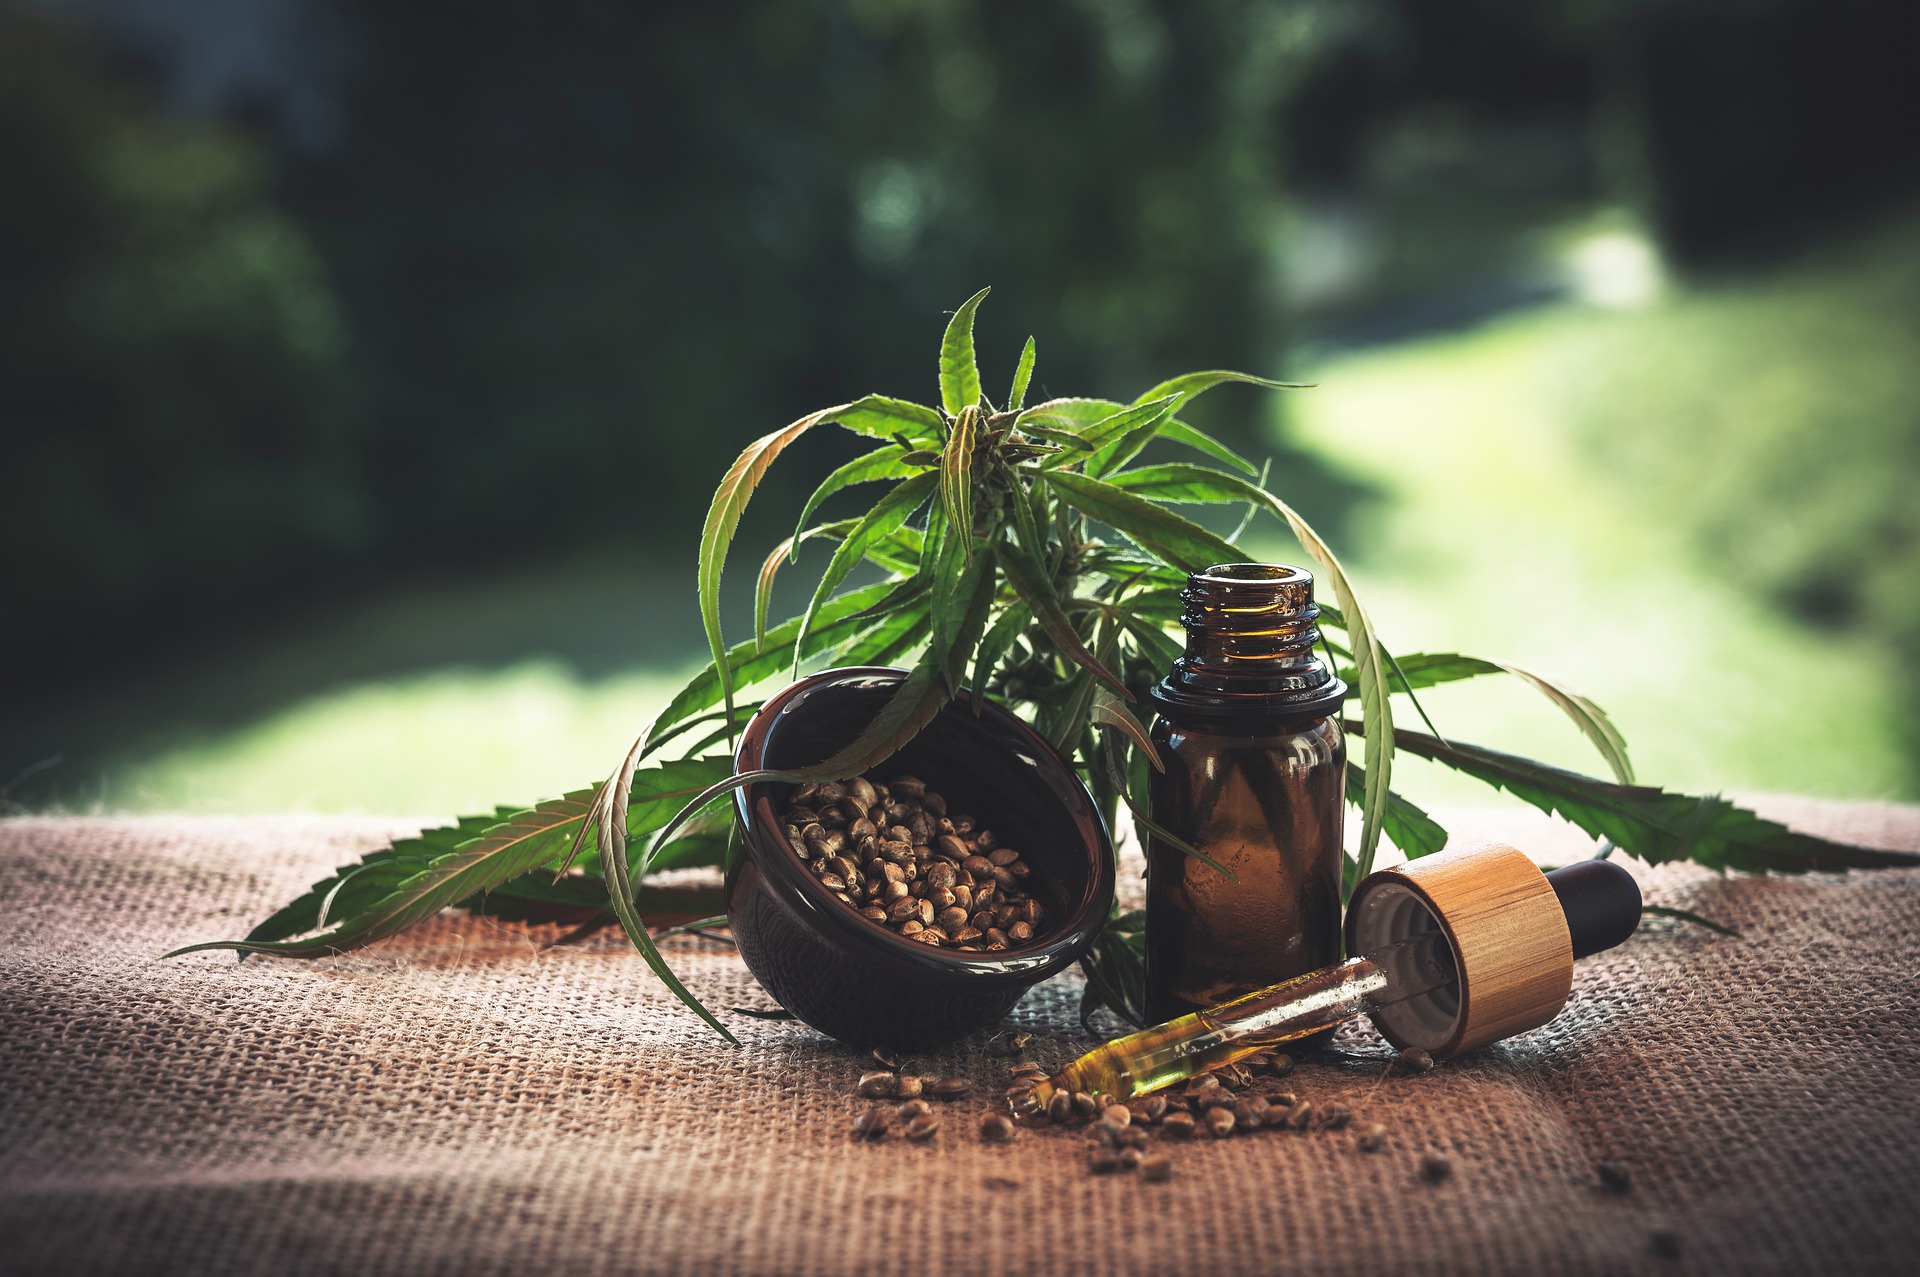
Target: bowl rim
(774, 855)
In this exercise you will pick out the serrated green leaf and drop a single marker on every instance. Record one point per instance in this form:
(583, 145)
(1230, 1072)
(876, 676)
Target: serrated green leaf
(889, 640)
(915, 703)
(1064, 438)
(1125, 421)
(1178, 541)
(1652, 824)
(1409, 828)
(884, 417)
(723, 519)
(612, 809)
(956, 478)
(959, 373)
(1165, 648)
(887, 514)
(1070, 415)
(751, 662)
(1190, 386)
(881, 463)
(1118, 441)
(1001, 637)
(906, 590)
(1429, 669)
(1109, 711)
(1037, 593)
(1022, 374)
(960, 616)
(1177, 431)
(417, 877)
(1186, 482)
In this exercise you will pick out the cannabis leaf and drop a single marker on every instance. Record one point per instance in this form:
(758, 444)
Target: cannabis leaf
(1653, 824)
(959, 374)
(414, 878)
(997, 575)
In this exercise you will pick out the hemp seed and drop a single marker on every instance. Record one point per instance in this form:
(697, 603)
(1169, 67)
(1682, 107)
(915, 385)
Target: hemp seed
(877, 1085)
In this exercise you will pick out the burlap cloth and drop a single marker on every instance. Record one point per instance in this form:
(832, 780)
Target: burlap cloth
(463, 1100)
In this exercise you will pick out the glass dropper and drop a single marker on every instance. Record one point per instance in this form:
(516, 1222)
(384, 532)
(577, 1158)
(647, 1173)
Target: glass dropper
(1293, 1009)
(1484, 917)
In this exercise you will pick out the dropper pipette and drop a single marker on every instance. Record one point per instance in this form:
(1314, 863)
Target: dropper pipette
(1487, 915)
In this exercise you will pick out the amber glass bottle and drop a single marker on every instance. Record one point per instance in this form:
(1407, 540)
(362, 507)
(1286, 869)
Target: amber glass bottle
(1255, 768)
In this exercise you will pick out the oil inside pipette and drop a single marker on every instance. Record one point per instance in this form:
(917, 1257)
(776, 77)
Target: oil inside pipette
(1180, 1049)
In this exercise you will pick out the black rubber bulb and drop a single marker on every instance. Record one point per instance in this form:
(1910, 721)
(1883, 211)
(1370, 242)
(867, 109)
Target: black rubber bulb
(1601, 901)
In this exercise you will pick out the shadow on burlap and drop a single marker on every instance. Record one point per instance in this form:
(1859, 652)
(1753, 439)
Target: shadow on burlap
(463, 1099)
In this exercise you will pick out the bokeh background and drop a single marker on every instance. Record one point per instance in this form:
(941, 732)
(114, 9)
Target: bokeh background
(366, 365)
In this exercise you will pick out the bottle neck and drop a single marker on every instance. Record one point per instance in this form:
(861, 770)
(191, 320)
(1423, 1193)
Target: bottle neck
(1251, 631)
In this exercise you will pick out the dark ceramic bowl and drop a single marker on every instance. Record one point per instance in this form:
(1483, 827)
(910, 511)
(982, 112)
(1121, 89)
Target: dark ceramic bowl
(860, 982)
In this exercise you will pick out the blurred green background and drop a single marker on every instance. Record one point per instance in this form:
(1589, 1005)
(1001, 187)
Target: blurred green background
(366, 367)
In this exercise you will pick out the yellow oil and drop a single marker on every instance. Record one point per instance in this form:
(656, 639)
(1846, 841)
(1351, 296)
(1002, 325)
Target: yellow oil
(1184, 1048)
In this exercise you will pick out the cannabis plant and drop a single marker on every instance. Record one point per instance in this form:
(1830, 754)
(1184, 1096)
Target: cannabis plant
(1029, 553)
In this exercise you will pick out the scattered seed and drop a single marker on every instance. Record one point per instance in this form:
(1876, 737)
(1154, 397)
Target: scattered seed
(1084, 1105)
(1117, 1115)
(1130, 1158)
(1333, 1117)
(1277, 1113)
(1280, 1064)
(912, 1109)
(923, 1127)
(1415, 1060)
(997, 1127)
(909, 1086)
(1219, 1122)
(877, 1086)
(1152, 1109)
(950, 1088)
(1435, 1167)
(1300, 1115)
(1157, 1169)
(1060, 1106)
(873, 1124)
(1372, 1138)
(1102, 1160)
(1177, 1125)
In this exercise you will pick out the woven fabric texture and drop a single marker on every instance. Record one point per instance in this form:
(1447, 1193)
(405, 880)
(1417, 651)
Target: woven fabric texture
(464, 1099)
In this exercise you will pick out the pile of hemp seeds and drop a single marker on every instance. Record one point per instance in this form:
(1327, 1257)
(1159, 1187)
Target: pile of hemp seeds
(895, 854)
(1228, 1101)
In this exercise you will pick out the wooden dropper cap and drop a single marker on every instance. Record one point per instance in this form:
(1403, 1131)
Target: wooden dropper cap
(1514, 932)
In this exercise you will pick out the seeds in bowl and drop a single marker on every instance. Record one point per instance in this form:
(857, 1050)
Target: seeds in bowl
(896, 855)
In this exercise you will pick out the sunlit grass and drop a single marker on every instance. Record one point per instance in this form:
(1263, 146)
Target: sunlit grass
(1494, 536)
(434, 745)
(1497, 538)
